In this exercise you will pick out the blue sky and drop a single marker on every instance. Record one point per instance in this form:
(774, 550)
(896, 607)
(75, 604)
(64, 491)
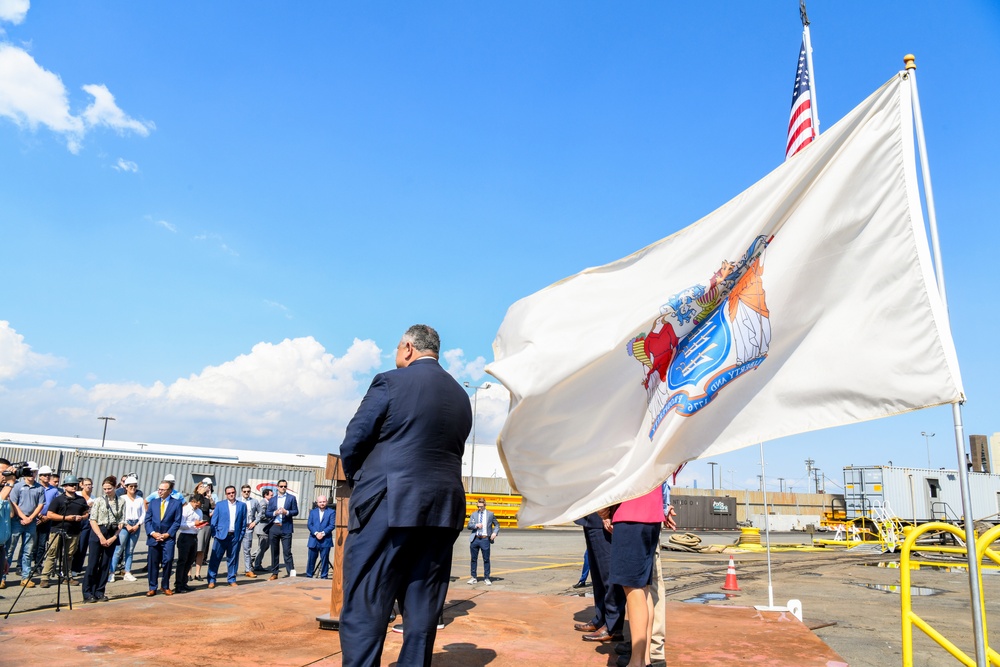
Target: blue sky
(217, 219)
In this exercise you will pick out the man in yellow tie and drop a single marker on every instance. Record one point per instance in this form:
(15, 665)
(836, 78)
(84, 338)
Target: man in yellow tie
(162, 521)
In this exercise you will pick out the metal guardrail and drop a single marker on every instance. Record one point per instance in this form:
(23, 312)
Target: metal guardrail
(504, 506)
(911, 619)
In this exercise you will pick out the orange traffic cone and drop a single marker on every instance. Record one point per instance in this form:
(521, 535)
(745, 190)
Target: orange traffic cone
(731, 584)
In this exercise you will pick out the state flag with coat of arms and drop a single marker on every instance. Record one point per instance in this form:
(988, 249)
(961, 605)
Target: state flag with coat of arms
(808, 301)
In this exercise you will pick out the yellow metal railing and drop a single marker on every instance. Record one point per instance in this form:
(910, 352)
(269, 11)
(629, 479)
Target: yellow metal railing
(503, 506)
(910, 618)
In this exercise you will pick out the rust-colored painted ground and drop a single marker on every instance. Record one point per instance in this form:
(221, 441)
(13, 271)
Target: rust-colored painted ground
(275, 624)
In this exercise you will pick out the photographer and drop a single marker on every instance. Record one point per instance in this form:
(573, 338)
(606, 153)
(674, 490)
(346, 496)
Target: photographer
(68, 512)
(27, 498)
(5, 488)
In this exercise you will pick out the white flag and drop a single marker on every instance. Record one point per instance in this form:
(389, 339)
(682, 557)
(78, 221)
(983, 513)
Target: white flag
(806, 302)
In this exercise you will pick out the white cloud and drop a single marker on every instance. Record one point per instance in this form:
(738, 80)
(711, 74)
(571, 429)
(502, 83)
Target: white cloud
(30, 96)
(280, 307)
(491, 407)
(126, 165)
(291, 394)
(104, 111)
(459, 367)
(161, 223)
(13, 11)
(16, 357)
(206, 236)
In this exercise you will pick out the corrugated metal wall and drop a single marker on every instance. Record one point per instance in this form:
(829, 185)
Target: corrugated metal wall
(150, 471)
(52, 458)
(488, 485)
(302, 481)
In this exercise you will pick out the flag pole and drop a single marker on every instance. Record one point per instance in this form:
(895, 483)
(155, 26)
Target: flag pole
(956, 409)
(767, 539)
(813, 108)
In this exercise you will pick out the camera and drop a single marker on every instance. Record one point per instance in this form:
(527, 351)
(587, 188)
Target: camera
(17, 470)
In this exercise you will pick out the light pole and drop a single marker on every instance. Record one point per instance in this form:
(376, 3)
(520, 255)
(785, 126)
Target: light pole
(927, 439)
(713, 464)
(106, 420)
(475, 405)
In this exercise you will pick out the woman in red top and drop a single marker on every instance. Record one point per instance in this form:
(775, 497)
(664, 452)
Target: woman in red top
(635, 537)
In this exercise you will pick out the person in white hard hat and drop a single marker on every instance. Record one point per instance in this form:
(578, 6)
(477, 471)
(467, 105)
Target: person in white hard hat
(174, 493)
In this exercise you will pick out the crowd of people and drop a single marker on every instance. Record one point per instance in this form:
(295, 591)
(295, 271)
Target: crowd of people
(67, 533)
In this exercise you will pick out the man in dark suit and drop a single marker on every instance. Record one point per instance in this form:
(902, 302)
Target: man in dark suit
(321, 526)
(609, 600)
(163, 518)
(402, 454)
(280, 509)
(484, 526)
(229, 522)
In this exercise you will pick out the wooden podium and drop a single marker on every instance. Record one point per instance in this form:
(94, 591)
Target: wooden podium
(342, 495)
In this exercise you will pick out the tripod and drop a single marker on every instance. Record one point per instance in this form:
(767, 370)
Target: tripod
(59, 543)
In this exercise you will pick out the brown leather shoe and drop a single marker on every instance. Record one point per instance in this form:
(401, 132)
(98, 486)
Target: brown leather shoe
(211, 584)
(585, 627)
(602, 635)
(167, 591)
(150, 594)
(249, 574)
(234, 584)
(272, 577)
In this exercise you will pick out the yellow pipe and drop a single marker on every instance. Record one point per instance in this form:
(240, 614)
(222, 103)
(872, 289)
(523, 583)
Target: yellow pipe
(909, 619)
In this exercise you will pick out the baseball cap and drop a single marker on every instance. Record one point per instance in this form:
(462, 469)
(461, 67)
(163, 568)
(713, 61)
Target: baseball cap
(208, 480)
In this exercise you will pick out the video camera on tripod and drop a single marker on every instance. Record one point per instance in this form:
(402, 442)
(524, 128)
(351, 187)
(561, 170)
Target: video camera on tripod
(18, 470)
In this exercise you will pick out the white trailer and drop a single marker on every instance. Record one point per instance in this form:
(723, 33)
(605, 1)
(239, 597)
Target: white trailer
(918, 494)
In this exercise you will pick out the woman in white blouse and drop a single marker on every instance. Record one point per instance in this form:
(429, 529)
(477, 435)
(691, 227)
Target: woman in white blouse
(135, 514)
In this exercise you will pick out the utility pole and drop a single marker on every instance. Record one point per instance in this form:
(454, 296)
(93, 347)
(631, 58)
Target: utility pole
(106, 420)
(781, 484)
(809, 471)
(712, 474)
(475, 409)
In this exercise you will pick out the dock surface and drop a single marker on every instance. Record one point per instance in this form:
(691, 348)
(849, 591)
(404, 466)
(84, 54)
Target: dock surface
(276, 624)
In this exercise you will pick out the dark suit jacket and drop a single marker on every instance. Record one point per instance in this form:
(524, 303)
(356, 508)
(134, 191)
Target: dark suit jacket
(220, 521)
(490, 523)
(326, 525)
(169, 524)
(404, 447)
(291, 505)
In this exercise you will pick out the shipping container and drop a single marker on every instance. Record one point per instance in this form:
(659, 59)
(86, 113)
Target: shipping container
(704, 512)
(918, 494)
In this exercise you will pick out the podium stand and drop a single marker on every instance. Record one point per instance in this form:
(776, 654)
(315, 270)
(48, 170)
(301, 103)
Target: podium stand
(342, 496)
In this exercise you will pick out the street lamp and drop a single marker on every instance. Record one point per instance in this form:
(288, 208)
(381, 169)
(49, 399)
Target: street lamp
(927, 439)
(475, 405)
(106, 420)
(713, 464)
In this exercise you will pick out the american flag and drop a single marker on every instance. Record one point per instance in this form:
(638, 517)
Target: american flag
(800, 129)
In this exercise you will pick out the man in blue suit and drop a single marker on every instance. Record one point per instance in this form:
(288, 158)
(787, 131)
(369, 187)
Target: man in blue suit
(321, 526)
(229, 522)
(163, 518)
(402, 454)
(281, 508)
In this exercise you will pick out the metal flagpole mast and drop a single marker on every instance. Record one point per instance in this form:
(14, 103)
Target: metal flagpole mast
(813, 109)
(956, 408)
(767, 528)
